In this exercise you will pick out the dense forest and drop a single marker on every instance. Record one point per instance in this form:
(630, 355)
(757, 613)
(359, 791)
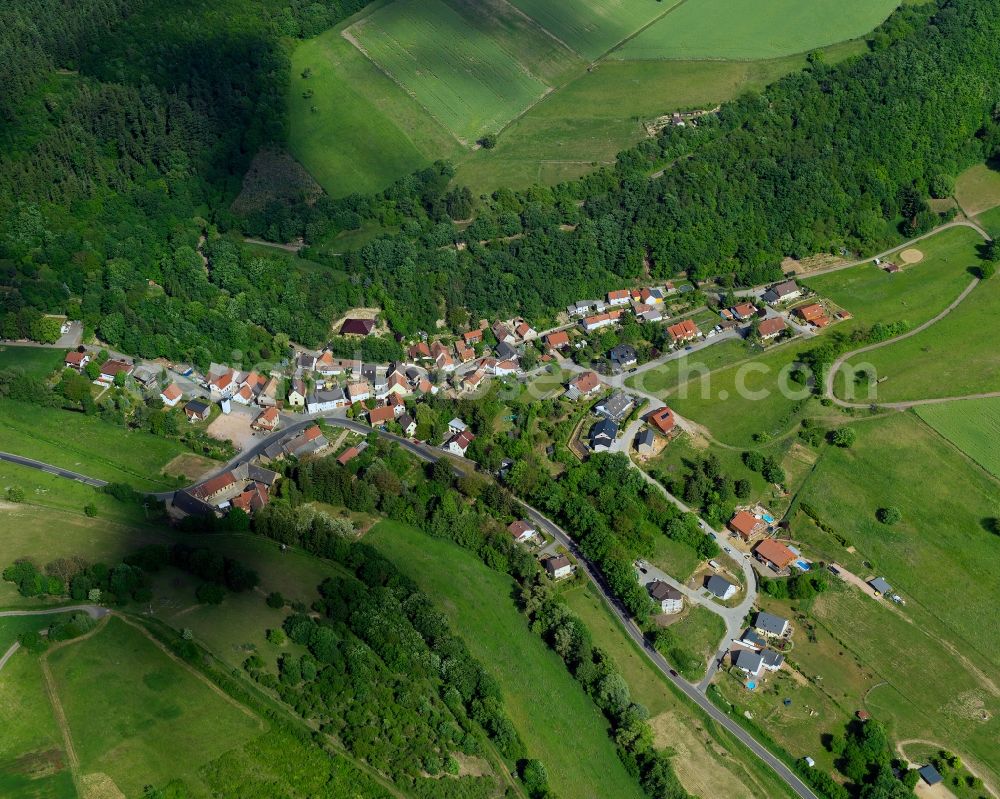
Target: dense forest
(130, 126)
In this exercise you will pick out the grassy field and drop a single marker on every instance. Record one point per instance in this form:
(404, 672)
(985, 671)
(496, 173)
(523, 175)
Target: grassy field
(669, 375)
(166, 721)
(971, 425)
(955, 357)
(700, 633)
(978, 189)
(708, 761)
(593, 27)
(35, 361)
(546, 705)
(915, 294)
(678, 560)
(96, 448)
(991, 221)
(745, 29)
(463, 77)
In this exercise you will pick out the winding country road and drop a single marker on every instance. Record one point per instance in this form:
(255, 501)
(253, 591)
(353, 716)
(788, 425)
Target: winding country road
(94, 611)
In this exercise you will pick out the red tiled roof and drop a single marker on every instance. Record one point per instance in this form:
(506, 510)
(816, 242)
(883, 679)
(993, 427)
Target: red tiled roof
(381, 415)
(683, 330)
(774, 552)
(347, 455)
(586, 382)
(772, 326)
(519, 528)
(558, 339)
(662, 419)
(75, 358)
(171, 392)
(744, 523)
(810, 312)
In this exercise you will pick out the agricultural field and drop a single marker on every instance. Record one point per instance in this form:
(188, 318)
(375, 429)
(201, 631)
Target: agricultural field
(971, 425)
(463, 78)
(915, 294)
(548, 709)
(37, 362)
(708, 762)
(669, 375)
(955, 357)
(96, 448)
(746, 29)
(977, 189)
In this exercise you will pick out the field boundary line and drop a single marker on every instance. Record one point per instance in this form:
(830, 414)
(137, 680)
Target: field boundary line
(543, 29)
(992, 477)
(603, 56)
(350, 37)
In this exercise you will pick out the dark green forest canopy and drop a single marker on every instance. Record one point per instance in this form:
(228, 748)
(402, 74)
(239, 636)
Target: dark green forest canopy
(130, 124)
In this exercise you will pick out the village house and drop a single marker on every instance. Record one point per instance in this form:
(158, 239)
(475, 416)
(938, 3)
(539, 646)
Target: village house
(557, 340)
(771, 328)
(774, 554)
(464, 352)
(459, 443)
(358, 392)
(602, 435)
(620, 297)
(558, 566)
(305, 362)
(268, 396)
(197, 411)
(662, 419)
(245, 486)
(267, 421)
(456, 426)
(111, 368)
(720, 587)
(321, 401)
(308, 442)
(623, 356)
(810, 313)
(471, 380)
(753, 663)
(744, 311)
(645, 442)
(522, 530)
(583, 385)
(348, 455)
(616, 407)
(649, 315)
(583, 307)
(502, 333)
(505, 352)
(669, 599)
(379, 417)
(408, 425)
(596, 322)
(769, 625)
(880, 586)
(425, 386)
(171, 395)
(76, 360)
(683, 332)
(419, 351)
(651, 296)
(357, 327)
(752, 638)
(525, 332)
(503, 368)
(442, 360)
(472, 337)
(746, 525)
(297, 393)
(781, 292)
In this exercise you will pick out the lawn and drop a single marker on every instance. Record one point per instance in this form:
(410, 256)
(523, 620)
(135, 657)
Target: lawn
(679, 370)
(991, 221)
(139, 716)
(358, 131)
(545, 703)
(709, 762)
(700, 632)
(461, 76)
(95, 448)
(35, 361)
(675, 558)
(32, 759)
(971, 425)
(593, 27)
(978, 189)
(915, 294)
(754, 29)
(955, 357)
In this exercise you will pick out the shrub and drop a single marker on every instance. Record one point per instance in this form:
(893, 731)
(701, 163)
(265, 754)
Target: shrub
(90, 509)
(889, 515)
(15, 494)
(210, 593)
(275, 600)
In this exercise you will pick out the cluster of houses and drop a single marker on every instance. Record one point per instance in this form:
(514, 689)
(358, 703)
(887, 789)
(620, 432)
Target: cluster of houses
(646, 304)
(247, 487)
(753, 653)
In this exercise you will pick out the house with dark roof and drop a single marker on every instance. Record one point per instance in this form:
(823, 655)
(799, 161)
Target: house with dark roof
(558, 566)
(720, 587)
(616, 407)
(602, 435)
(357, 327)
(769, 625)
(669, 599)
(322, 401)
(880, 586)
(752, 638)
(505, 351)
(623, 356)
(197, 410)
(645, 441)
(929, 774)
(747, 661)
(408, 425)
(780, 292)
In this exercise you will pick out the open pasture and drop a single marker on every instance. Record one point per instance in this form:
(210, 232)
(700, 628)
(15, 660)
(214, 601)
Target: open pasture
(978, 189)
(35, 361)
(461, 75)
(754, 29)
(971, 425)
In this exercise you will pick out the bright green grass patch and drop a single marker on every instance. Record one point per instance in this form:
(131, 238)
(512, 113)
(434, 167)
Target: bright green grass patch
(669, 375)
(461, 76)
(87, 445)
(35, 361)
(699, 634)
(978, 189)
(955, 357)
(365, 131)
(138, 715)
(592, 27)
(675, 558)
(991, 221)
(915, 294)
(752, 29)
(971, 425)
(939, 557)
(32, 759)
(545, 703)
(709, 762)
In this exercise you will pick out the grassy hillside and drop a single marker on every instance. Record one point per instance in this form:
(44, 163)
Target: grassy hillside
(35, 361)
(546, 705)
(971, 425)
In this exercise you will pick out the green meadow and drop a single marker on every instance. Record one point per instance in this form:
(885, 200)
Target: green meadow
(977, 189)
(35, 361)
(545, 703)
(971, 425)
(754, 29)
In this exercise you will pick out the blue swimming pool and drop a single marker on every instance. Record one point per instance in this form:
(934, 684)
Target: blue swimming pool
(751, 686)
(802, 565)
(768, 518)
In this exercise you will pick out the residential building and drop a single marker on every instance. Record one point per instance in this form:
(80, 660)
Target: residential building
(666, 596)
(767, 624)
(662, 419)
(464, 352)
(502, 333)
(408, 425)
(809, 313)
(645, 442)
(267, 421)
(720, 587)
(746, 525)
(771, 660)
(459, 443)
(197, 411)
(781, 292)
(597, 321)
(308, 442)
(268, 396)
(752, 638)
(425, 386)
(379, 417)
(771, 328)
(348, 455)
(113, 367)
(556, 340)
(651, 315)
(442, 360)
(558, 566)
(505, 351)
(472, 337)
(305, 362)
(774, 554)
(623, 356)
(651, 296)
(419, 351)
(522, 530)
(584, 385)
(880, 586)
(525, 332)
(747, 661)
(76, 360)
(683, 331)
(583, 307)
(357, 327)
(602, 435)
(619, 297)
(358, 392)
(616, 407)
(323, 401)
(297, 394)
(744, 311)
(171, 395)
